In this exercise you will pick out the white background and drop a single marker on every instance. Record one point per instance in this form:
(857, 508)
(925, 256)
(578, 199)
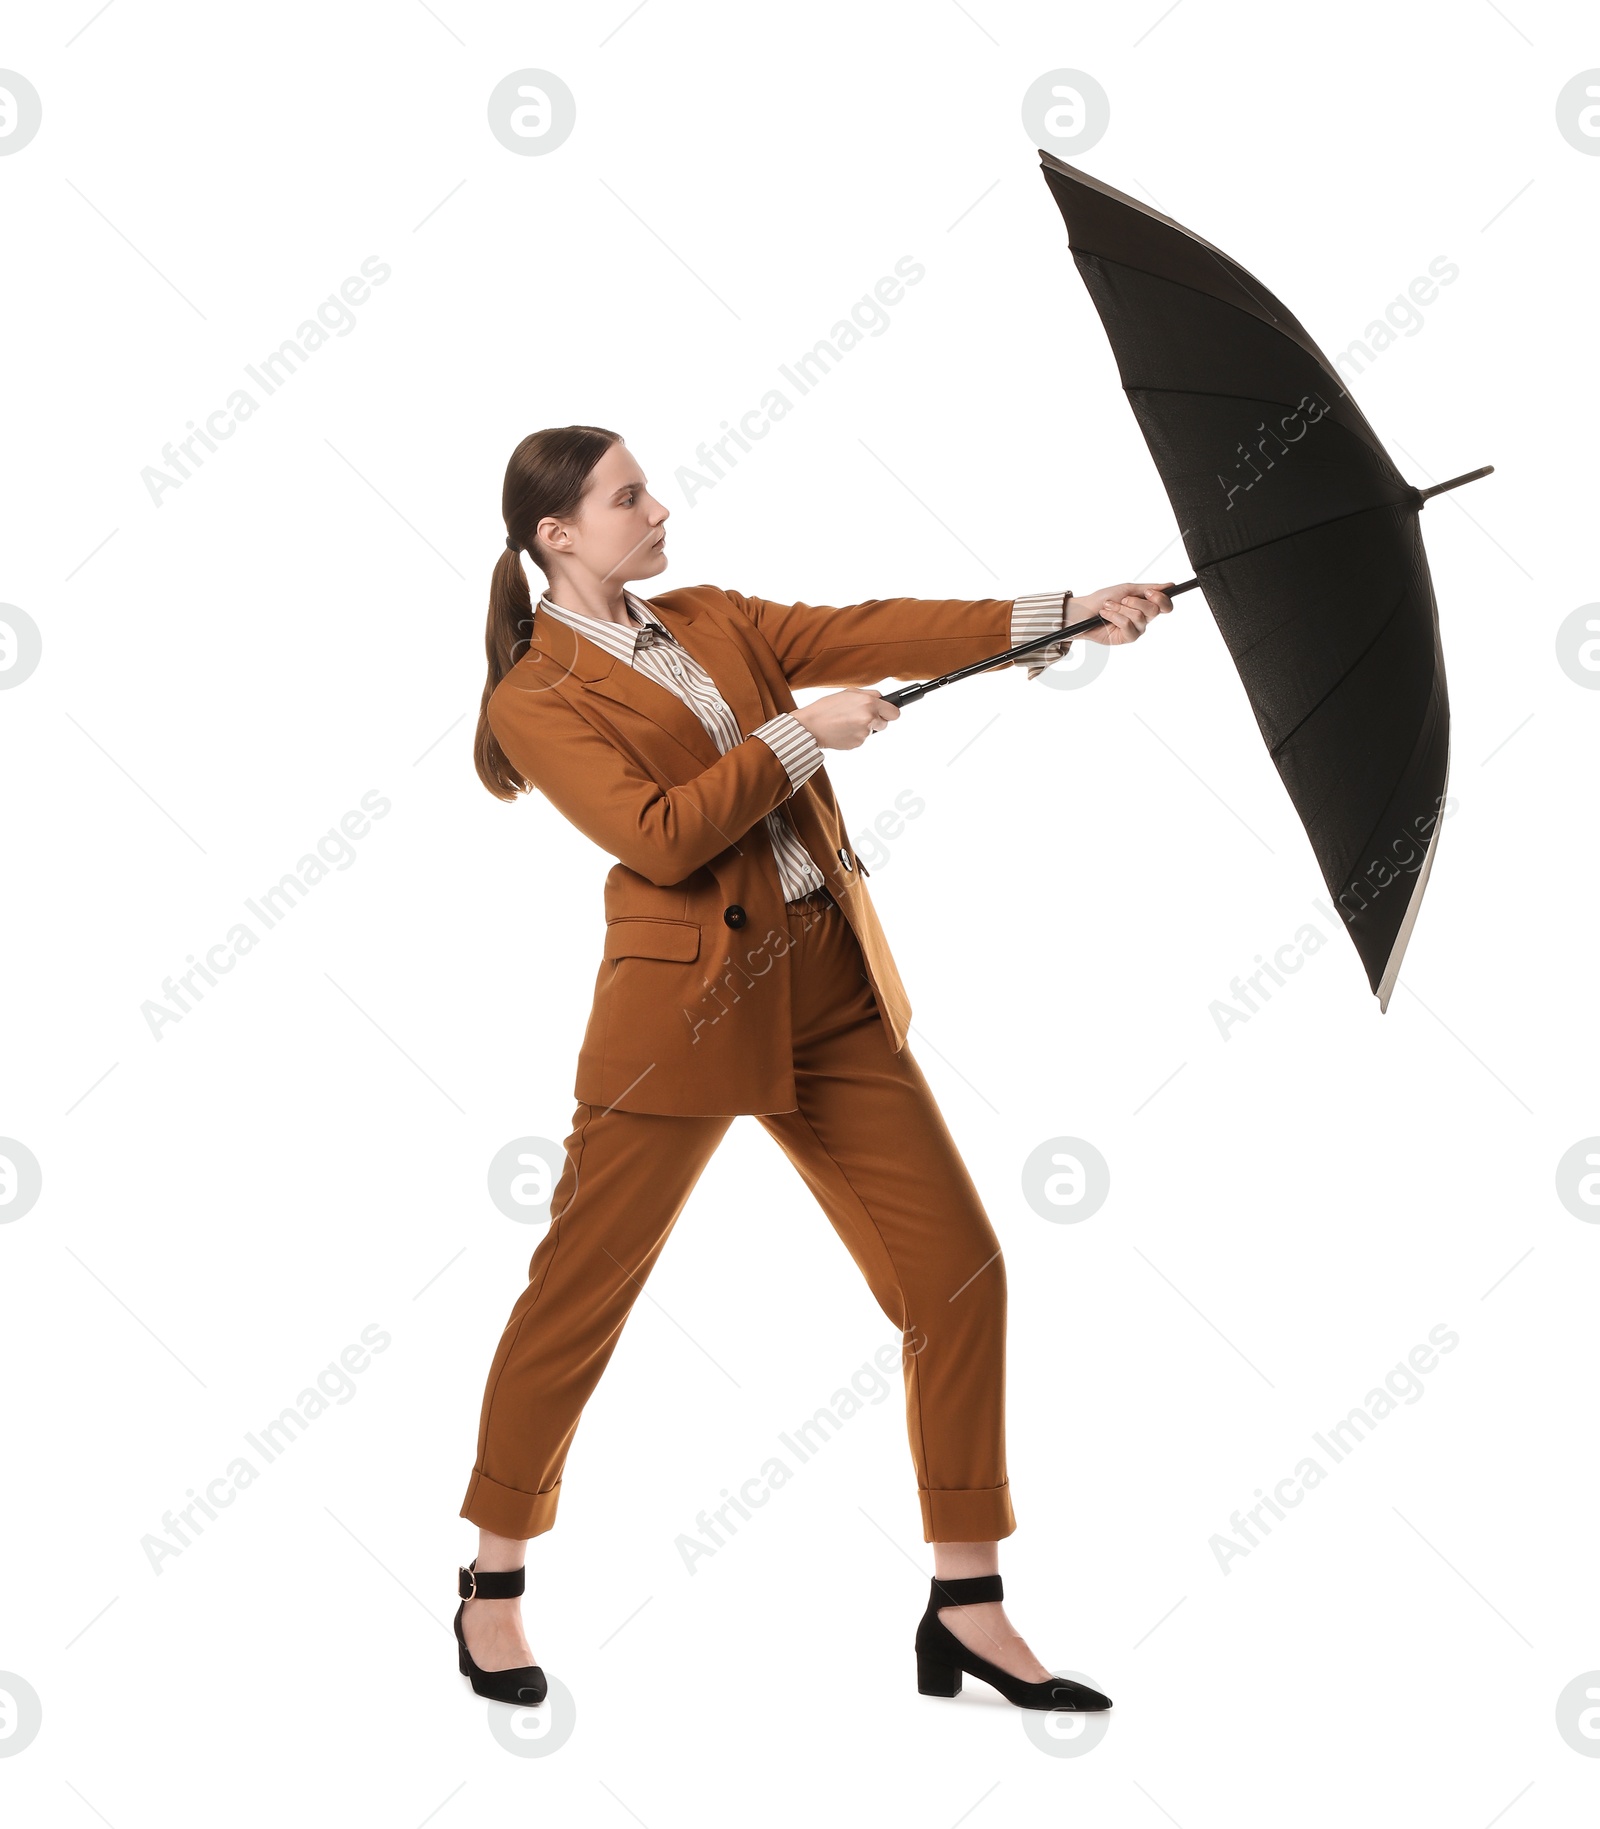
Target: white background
(305, 1154)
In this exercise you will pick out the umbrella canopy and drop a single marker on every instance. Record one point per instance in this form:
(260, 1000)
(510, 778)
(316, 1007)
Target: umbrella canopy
(1304, 538)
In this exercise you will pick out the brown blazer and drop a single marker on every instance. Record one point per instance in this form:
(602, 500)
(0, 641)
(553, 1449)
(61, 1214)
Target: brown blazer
(691, 1002)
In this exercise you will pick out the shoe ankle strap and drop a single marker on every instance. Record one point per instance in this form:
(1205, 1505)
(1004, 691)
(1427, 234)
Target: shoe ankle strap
(967, 1591)
(492, 1584)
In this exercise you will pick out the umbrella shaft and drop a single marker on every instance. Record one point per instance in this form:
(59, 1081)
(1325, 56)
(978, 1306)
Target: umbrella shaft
(908, 695)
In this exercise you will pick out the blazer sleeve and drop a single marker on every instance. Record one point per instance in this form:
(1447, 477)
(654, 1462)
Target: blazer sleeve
(665, 834)
(902, 638)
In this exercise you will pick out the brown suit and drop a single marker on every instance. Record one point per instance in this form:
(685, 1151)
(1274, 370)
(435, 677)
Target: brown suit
(794, 1012)
(630, 765)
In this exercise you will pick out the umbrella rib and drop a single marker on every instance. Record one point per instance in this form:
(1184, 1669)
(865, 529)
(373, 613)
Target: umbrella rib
(1312, 710)
(1293, 534)
(1300, 337)
(1368, 839)
(1217, 393)
(1374, 443)
(1303, 341)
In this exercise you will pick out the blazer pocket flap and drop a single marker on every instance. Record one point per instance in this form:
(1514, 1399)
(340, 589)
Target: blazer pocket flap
(647, 937)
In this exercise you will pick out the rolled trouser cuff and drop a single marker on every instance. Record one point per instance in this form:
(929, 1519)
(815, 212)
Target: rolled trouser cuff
(507, 1511)
(971, 1515)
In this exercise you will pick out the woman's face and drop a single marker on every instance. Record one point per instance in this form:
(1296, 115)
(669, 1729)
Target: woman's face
(619, 532)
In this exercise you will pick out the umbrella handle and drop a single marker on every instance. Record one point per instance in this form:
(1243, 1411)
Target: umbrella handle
(908, 695)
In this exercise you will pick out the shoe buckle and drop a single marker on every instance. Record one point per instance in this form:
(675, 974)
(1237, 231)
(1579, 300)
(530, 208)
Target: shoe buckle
(472, 1577)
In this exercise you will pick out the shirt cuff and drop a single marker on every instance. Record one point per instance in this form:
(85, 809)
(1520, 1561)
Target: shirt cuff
(1034, 616)
(795, 747)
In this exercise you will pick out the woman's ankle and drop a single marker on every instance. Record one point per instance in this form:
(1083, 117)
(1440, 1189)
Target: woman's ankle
(500, 1555)
(960, 1561)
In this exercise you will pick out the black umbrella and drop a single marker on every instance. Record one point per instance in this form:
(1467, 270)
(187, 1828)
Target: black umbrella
(1305, 538)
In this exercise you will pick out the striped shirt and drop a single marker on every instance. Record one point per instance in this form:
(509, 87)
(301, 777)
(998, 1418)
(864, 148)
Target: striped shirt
(648, 646)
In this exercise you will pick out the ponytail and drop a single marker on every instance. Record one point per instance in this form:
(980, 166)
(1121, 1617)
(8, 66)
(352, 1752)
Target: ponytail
(546, 476)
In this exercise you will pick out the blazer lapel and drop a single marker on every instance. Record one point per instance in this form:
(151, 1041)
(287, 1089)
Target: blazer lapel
(722, 658)
(599, 671)
(602, 672)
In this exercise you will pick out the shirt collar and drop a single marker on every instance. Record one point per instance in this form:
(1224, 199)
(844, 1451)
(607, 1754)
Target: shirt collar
(611, 636)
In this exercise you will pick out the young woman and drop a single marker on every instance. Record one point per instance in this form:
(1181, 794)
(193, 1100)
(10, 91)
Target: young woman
(744, 970)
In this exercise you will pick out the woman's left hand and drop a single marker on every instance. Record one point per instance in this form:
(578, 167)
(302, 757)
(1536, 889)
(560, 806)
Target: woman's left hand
(1129, 609)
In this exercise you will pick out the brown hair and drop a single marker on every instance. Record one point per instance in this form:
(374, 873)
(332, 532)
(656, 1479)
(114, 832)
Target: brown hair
(547, 475)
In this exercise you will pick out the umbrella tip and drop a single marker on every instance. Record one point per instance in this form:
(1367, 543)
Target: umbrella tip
(1455, 482)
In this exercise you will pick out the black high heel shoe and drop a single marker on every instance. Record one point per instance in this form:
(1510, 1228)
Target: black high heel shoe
(524, 1687)
(941, 1656)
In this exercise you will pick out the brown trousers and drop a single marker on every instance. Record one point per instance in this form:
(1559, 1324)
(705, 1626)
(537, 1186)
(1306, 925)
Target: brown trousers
(871, 1144)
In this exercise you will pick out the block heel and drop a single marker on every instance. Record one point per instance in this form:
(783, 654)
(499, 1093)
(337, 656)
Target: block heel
(937, 1679)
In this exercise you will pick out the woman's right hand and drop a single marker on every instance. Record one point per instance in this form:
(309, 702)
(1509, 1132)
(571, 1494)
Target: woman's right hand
(844, 720)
